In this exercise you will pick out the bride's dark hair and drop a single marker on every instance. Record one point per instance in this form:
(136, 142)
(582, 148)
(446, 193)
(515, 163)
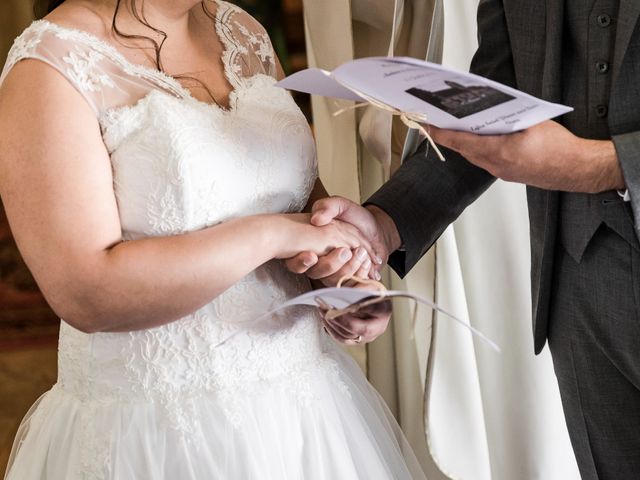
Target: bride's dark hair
(44, 7)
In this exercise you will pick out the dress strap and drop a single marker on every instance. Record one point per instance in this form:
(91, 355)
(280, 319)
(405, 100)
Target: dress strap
(247, 47)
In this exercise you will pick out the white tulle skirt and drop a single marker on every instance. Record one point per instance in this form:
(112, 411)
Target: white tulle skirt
(344, 433)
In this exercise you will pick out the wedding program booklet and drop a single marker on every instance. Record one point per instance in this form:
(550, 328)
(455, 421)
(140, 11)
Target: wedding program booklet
(343, 297)
(429, 93)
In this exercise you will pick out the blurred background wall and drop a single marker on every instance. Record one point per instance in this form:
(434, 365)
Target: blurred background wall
(15, 15)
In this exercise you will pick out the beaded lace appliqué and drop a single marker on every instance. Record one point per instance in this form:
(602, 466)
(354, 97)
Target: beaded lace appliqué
(83, 71)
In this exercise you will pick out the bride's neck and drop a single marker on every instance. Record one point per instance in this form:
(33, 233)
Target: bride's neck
(173, 17)
(163, 12)
(170, 16)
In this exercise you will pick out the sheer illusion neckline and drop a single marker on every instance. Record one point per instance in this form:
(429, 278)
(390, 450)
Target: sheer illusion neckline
(161, 79)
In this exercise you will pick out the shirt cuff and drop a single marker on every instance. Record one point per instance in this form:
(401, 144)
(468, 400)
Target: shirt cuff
(624, 194)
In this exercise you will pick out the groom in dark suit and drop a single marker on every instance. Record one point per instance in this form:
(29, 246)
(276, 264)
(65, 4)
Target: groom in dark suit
(583, 177)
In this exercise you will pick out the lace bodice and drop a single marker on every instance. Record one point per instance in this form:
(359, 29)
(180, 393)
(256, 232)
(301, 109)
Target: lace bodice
(180, 165)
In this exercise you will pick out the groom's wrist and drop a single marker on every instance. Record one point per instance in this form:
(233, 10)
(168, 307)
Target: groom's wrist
(388, 230)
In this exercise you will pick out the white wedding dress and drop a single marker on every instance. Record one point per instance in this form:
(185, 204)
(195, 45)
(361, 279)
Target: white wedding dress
(279, 401)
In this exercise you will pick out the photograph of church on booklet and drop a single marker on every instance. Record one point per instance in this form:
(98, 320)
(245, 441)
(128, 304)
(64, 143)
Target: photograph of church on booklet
(461, 101)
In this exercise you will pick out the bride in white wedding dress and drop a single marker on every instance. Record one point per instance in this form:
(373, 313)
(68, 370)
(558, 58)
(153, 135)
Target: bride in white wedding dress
(153, 211)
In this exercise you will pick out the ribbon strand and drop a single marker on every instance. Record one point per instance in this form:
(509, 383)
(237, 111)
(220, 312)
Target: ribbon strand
(411, 120)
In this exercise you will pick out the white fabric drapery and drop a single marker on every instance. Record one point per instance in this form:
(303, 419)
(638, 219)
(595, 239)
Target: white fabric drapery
(509, 417)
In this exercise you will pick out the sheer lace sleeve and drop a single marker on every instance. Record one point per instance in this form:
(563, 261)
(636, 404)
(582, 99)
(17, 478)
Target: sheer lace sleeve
(96, 70)
(248, 49)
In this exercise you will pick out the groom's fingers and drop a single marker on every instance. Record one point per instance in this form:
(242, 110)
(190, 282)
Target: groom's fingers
(333, 334)
(341, 335)
(326, 209)
(343, 328)
(301, 262)
(369, 322)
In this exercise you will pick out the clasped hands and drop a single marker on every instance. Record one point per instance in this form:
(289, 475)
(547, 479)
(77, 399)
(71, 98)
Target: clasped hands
(378, 237)
(546, 156)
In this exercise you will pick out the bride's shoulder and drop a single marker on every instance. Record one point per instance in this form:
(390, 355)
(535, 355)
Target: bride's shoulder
(64, 24)
(68, 40)
(58, 32)
(80, 16)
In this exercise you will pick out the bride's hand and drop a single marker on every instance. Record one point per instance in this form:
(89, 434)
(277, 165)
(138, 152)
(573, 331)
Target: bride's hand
(295, 234)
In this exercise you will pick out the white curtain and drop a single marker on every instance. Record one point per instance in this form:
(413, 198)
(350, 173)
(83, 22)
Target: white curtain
(491, 416)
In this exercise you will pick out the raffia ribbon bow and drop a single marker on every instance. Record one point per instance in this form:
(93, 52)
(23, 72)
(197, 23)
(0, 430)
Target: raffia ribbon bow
(410, 119)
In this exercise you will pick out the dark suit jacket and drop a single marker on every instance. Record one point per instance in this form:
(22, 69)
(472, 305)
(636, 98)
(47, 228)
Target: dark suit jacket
(520, 44)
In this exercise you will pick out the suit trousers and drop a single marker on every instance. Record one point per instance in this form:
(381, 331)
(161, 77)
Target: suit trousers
(594, 337)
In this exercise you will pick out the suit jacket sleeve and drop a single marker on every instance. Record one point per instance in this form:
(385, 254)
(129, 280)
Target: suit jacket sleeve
(425, 195)
(628, 151)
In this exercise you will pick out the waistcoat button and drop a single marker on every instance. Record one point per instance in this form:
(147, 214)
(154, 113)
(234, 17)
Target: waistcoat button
(603, 20)
(601, 111)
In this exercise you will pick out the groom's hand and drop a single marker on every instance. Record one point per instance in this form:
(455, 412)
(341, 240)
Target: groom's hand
(374, 224)
(363, 326)
(545, 156)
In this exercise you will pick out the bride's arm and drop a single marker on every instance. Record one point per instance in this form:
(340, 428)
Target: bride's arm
(56, 185)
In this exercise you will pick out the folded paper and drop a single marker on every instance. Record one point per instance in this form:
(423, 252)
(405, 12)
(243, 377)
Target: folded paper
(343, 297)
(428, 93)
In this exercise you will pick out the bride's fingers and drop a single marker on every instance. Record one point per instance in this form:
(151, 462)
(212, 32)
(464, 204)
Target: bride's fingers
(368, 247)
(366, 243)
(365, 269)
